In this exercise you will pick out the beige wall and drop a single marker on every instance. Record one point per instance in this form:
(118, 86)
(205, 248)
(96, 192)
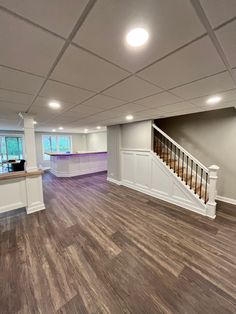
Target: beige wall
(136, 135)
(211, 138)
(113, 149)
(97, 141)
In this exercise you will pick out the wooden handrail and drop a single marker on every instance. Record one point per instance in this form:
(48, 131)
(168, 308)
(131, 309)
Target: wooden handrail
(181, 148)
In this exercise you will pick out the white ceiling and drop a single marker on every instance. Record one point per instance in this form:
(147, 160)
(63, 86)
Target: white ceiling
(74, 51)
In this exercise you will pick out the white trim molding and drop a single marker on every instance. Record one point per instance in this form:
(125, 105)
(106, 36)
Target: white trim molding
(144, 171)
(226, 199)
(114, 181)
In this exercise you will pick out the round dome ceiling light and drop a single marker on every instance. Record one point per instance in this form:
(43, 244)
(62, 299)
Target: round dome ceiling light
(213, 100)
(137, 37)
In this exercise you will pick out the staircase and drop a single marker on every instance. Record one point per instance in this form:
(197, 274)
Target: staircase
(191, 172)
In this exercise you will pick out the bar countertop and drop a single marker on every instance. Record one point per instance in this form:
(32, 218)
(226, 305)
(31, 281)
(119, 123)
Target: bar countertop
(75, 154)
(19, 174)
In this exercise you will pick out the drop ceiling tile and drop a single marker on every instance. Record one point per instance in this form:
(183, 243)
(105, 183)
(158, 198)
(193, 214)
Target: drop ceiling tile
(106, 26)
(219, 11)
(211, 85)
(120, 111)
(227, 38)
(158, 100)
(82, 69)
(85, 111)
(66, 93)
(64, 120)
(43, 116)
(103, 102)
(40, 106)
(57, 16)
(169, 110)
(149, 114)
(182, 106)
(229, 96)
(15, 97)
(19, 81)
(193, 62)
(131, 89)
(228, 104)
(26, 47)
(6, 107)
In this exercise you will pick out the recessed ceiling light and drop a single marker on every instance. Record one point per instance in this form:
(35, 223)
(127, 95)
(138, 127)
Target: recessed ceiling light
(60, 128)
(137, 37)
(85, 130)
(35, 122)
(53, 130)
(213, 100)
(54, 105)
(129, 117)
(98, 127)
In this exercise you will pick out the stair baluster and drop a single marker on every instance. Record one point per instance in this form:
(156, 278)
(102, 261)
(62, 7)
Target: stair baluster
(183, 163)
(196, 172)
(200, 194)
(191, 180)
(186, 181)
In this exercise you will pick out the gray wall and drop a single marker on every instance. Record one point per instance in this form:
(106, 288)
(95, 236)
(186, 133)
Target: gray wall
(136, 135)
(211, 138)
(97, 141)
(113, 149)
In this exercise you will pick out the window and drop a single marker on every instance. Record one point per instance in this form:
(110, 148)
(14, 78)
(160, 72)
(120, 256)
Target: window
(11, 147)
(55, 143)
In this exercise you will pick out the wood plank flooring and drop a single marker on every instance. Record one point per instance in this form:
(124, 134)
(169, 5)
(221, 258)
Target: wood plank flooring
(101, 248)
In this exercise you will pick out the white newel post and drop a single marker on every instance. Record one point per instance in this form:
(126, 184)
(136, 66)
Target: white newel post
(34, 187)
(211, 204)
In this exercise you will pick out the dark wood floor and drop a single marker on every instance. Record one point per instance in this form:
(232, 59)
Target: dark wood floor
(101, 248)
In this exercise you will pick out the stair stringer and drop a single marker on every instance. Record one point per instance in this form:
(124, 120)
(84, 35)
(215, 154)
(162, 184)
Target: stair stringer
(147, 173)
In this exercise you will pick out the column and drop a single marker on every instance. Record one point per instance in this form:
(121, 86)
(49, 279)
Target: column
(33, 183)
(29, 140)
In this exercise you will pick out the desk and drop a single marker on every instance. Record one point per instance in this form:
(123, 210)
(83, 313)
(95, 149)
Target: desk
(75, 164)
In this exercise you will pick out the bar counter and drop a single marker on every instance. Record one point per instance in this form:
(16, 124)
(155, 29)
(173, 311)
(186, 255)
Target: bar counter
(76, 164)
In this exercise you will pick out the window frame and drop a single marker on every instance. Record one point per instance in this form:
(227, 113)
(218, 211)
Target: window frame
(57, 136)
(6, 135)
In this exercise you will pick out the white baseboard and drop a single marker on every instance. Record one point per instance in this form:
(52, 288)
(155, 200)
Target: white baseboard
(114, 181)
(35, 208)
(226, 199)
(167, 199)
(45, 168)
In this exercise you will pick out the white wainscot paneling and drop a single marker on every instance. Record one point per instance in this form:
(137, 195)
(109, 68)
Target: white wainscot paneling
(34, 194)
(128, 164)
(12, 194)
(142, 170)
(146, 172)
(160, 179)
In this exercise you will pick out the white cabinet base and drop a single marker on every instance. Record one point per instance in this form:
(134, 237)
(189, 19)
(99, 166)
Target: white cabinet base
(25, 191)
